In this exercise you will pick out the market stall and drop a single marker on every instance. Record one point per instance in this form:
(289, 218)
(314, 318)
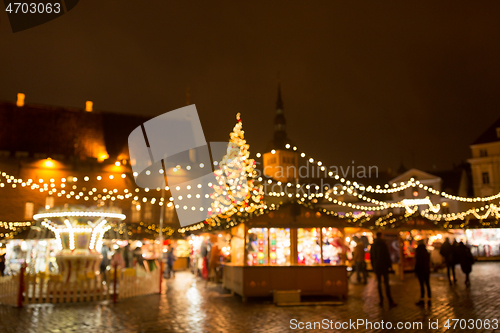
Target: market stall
(485, 243)
(37, 254)
(433, 238)
(293, 248)
(200, 246)
(355, 235)
(182, 254)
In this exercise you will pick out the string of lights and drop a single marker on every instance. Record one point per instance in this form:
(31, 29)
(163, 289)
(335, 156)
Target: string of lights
(479, 213)
(388, 188)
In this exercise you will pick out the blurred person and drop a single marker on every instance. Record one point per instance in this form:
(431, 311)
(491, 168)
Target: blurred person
(423, 270)
(214, 263)
(170, 261)
(448, 253)
(358, 257)
(128, 256)
(381, 262)
(204, 260)
(455, 252)
(139, 259)
(105, 259)
(117, 259)
(2, 265)
(466, 260)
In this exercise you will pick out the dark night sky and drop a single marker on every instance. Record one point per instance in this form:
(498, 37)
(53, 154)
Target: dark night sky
(370, 82)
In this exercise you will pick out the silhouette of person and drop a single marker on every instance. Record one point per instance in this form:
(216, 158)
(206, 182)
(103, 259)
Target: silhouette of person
(170, 261)
(2, 264)
(359, 260)
(466, 260)
(448, 253)
(423, 270)
(381, 262)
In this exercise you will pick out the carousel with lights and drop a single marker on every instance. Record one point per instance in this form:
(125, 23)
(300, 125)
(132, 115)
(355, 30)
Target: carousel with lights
(79, 231)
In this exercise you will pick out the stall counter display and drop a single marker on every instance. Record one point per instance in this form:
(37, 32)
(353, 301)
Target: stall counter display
(182, 253)
(198, 245)
(308, 248)
(257, 246)
(332, 246)
(237, 245)
(279, 247)
(485, 243)
(280, 257)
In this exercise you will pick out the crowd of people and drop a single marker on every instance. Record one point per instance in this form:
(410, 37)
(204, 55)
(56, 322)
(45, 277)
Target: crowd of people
(453, 253)
(206, 264)
(120, 258)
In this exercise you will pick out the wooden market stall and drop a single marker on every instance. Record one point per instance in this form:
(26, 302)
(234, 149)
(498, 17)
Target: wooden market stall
(292, 248)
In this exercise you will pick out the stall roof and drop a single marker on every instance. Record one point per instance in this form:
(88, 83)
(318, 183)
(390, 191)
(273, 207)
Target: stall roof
(294, 215)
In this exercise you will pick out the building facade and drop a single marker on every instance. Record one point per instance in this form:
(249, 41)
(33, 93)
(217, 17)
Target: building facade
(485, 162)
(54, 156)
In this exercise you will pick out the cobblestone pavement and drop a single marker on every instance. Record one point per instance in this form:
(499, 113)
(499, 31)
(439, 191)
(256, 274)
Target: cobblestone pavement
(190, 305)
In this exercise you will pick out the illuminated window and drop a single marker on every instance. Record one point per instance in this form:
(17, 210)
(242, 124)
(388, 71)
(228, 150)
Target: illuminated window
(136, 212)
(29, 208)
(49, 202)
(486, 178)
(257, 246)
(148, 212)
(308, 249)
(279, 246)
(332, 246)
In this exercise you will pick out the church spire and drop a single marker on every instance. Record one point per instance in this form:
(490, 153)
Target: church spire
(279, 102)
(279, 119)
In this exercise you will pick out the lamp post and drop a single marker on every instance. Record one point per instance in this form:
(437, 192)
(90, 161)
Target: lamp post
(162, 214)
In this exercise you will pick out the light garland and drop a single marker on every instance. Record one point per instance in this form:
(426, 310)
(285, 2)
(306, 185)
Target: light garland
(226, 209)
(78, 214)
(95, 230)
(386, 188)
(71, 234)
(77, 193)
(491, 210)
(416, 202)
(13, 226)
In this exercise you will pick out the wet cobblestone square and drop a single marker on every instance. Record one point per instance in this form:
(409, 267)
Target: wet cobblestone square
(192, 305)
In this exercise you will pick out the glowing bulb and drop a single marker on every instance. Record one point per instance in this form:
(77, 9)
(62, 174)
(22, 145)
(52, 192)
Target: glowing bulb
(48, 163)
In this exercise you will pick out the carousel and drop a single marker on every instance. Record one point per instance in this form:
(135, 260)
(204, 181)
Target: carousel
(78, 231)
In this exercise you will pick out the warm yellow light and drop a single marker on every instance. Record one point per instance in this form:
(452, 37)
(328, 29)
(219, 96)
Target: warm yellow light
(48, 163)
(117, 163)
(89, 106)
(102, 157)
(20, 99)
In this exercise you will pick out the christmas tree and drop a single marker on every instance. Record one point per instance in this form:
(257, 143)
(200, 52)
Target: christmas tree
(235, 191)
